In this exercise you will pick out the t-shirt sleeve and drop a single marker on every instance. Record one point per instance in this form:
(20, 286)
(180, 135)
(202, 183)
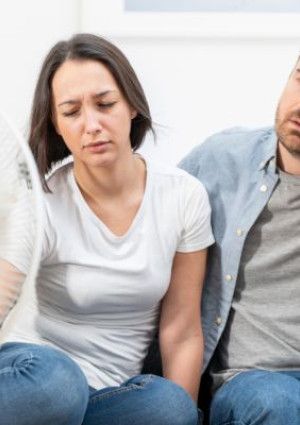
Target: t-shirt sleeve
(196, 216)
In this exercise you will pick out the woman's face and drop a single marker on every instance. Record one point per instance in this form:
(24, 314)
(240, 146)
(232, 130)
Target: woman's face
(90, 113)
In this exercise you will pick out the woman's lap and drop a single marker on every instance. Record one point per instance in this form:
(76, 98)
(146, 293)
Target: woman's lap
(41, 385)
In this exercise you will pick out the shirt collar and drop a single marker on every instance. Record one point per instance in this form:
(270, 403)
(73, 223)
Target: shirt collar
(269, 149)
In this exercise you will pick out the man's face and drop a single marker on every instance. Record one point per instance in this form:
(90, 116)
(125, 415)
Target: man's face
(288, 114)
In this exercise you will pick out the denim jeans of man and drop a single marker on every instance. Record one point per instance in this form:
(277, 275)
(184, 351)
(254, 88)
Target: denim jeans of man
(40, 385)
(258, 397)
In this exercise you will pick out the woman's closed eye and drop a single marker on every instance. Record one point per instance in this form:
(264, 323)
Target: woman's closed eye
(106, 105)
(102, 105)
(70, 113)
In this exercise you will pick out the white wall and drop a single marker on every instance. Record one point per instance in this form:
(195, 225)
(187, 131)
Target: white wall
(197, 87)
(198, 80)
(202, 72)
(27, 31)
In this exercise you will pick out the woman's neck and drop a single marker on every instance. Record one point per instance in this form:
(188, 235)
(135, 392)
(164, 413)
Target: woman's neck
(123, 178)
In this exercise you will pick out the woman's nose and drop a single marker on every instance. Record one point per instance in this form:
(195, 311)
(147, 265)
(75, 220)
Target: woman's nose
(92, 123)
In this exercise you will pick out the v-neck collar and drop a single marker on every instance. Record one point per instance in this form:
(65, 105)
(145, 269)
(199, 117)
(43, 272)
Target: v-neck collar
(105, 229)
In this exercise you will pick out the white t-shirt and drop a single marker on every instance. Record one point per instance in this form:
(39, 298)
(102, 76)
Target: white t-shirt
(97, 294)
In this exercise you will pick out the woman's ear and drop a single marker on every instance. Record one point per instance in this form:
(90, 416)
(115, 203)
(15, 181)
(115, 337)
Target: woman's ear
(133, 113)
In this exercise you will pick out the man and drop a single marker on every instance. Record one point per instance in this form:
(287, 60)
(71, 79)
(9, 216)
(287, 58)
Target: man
(251, 299)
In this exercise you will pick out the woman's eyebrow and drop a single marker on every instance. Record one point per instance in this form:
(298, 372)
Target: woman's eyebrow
(103, 93)
(68, 102)
(95, 96)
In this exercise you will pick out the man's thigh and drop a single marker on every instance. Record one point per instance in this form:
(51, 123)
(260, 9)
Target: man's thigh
(257, 397)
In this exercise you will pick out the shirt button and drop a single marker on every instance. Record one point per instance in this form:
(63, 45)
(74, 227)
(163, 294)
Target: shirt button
(263, 188)
(218, 320)
(239, 232)
(228, 277)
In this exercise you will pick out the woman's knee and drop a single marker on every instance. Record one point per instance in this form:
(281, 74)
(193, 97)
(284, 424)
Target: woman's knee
(170, 404)
(42, 386)
(68, 387)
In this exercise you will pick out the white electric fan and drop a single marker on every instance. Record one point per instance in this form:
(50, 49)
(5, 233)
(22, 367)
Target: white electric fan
(21, 216)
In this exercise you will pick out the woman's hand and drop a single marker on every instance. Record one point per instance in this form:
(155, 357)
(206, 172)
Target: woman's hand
(180, 332)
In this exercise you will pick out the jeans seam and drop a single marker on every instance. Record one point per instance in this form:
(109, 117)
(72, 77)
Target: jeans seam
(27, 363)
(144, 381)
(99, 397)
(130, 387)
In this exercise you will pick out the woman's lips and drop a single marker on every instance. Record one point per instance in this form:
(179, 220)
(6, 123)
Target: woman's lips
(96, 146)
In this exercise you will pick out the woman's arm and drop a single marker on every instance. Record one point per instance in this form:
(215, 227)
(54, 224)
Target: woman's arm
(180, 332)
(10, 287)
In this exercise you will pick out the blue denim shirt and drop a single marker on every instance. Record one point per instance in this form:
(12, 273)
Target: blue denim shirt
(238, 169)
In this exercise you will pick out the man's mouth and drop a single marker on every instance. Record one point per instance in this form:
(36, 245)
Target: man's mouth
(295, 121)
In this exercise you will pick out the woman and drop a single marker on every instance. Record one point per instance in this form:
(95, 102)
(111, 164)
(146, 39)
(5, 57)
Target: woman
(124, 254)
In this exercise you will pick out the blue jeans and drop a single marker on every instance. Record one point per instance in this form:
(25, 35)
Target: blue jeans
(42, 386)
(258, 397)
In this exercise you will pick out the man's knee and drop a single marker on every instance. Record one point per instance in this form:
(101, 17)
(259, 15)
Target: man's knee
(260, 397)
